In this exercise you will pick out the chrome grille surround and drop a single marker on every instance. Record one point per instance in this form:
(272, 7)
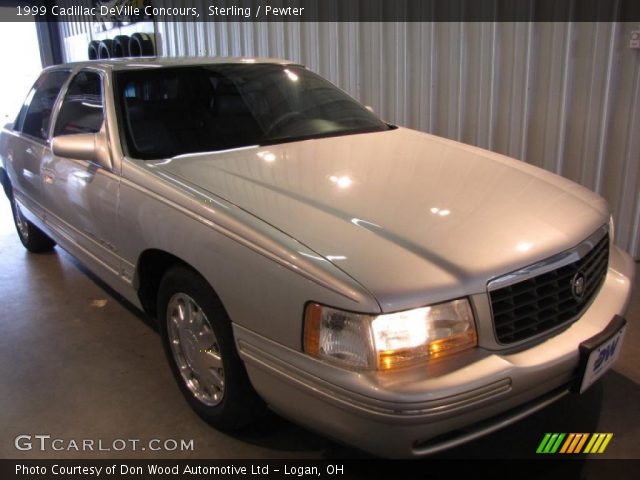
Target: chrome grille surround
(539, 299)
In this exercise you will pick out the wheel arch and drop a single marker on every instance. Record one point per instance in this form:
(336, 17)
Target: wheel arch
(6, 182)
(152, 264)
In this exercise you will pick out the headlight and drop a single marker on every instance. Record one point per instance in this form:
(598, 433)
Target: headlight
(390, 341)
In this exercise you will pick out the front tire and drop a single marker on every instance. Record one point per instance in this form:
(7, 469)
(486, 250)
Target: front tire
(33, 239)
(198, 341)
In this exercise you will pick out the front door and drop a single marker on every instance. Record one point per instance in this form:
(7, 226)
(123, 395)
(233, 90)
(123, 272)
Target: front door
(81, 198)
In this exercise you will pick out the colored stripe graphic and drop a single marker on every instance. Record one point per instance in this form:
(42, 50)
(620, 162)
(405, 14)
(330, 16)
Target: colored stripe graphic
(592, 440)
(567, 442)
(598, 442)
(574, 442)
(582, 441)
(550, 443)
(556, 445)
(606, 442)
(543, 443)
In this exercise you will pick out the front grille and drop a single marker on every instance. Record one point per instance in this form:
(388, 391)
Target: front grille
(533, 306)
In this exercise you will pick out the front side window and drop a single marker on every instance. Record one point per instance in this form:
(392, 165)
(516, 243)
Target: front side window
(82, 109)
(172, 111)
(35, 114)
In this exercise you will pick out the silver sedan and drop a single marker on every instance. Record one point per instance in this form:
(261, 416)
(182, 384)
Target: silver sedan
(397, 291)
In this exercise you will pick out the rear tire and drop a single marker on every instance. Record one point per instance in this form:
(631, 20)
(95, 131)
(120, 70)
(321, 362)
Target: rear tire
(198, 341)
(33, 239)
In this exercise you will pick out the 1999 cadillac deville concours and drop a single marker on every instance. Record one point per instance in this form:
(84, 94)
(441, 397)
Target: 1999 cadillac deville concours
(397, 291)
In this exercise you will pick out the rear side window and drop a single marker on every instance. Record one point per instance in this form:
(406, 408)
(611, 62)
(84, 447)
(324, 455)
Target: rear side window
(35, 114)
(82, 109)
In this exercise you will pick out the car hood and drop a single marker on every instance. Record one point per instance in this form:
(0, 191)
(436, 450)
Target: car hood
(412, 217)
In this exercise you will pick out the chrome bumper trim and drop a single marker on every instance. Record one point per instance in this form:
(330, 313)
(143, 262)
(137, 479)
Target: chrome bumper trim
(329, 392)
(459, 437)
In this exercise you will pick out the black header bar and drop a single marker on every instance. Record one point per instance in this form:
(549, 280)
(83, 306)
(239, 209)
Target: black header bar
(324, 469)
(329, 10)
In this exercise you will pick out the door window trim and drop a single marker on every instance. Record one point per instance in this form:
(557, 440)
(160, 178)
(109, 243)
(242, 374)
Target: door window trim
(61, 98)
(19, 123)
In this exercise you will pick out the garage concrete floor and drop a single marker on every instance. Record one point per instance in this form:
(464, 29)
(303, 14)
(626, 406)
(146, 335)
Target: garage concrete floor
(78, 363)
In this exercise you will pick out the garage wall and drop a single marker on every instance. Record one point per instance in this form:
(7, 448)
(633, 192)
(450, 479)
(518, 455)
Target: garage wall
(563, 96)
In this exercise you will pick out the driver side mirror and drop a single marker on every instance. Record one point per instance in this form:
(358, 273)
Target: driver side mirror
(84, 146)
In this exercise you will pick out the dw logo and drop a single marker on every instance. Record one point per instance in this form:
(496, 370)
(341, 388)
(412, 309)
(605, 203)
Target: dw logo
(605, 354)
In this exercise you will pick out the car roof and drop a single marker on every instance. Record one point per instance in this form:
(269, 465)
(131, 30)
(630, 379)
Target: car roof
(138, 63)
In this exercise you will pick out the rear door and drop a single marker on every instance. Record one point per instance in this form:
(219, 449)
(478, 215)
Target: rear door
(81, 196)
(26, 141)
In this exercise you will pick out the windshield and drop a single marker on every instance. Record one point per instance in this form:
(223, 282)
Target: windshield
(172, 111)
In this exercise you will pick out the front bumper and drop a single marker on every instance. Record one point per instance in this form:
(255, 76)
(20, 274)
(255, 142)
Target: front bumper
(425, 409)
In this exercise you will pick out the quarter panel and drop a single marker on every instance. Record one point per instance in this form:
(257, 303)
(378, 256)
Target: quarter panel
(22, 158)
